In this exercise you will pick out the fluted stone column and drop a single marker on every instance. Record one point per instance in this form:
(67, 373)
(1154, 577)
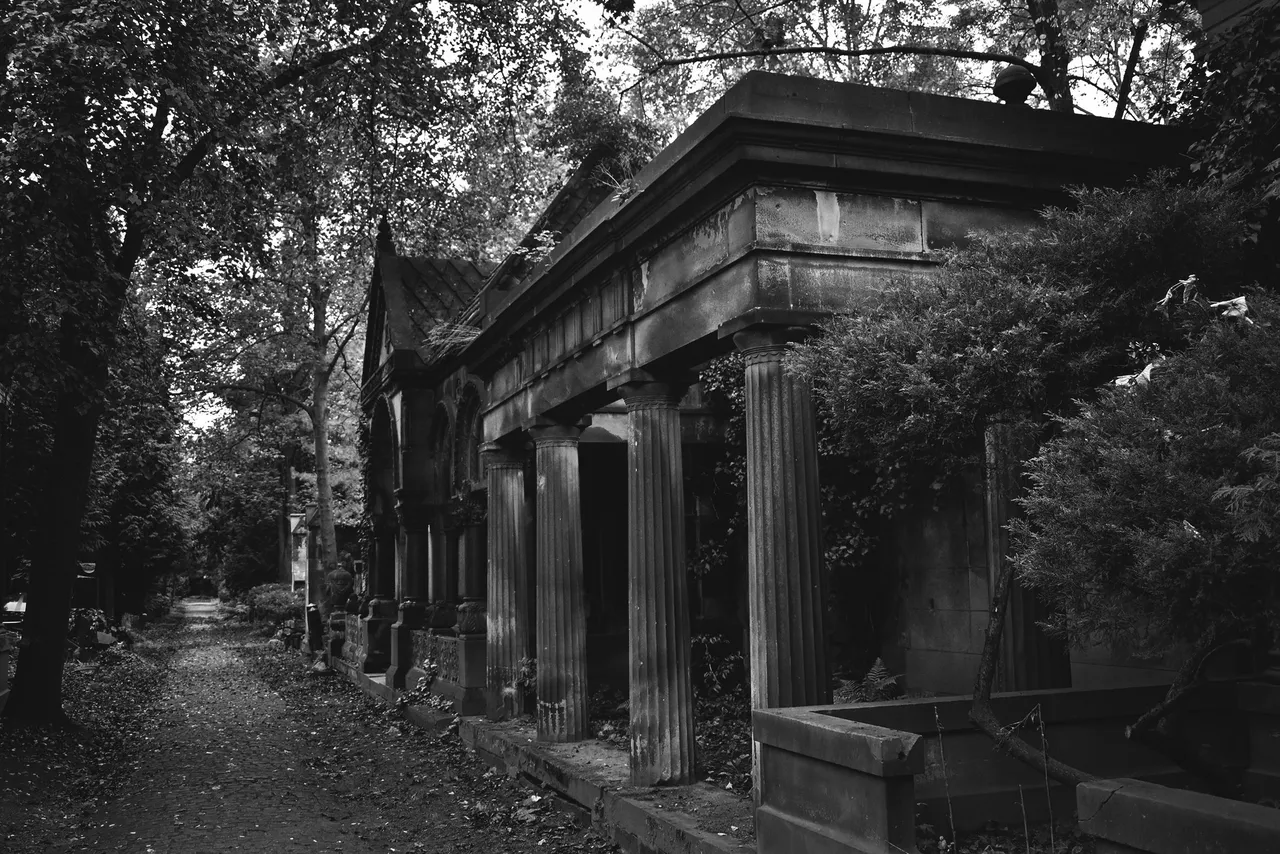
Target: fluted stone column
(562, 625)
(662, 747)
(505, 621)
(784, 535)
(411, 581)
(441, 577)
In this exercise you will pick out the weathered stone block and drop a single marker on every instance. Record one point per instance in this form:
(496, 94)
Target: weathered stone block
(831, 786)
(1131, 815)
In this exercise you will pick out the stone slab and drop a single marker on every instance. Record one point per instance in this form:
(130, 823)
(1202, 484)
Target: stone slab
(1128, 814)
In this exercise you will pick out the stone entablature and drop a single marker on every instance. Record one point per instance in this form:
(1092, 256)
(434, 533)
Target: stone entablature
(791, 196)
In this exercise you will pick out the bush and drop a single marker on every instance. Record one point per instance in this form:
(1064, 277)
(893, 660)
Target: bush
(273, 603)
(158, 605)
(1151, 523)
(1017, 327)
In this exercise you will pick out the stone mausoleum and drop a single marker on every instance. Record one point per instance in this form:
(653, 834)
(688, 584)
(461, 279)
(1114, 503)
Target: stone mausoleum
(533, 425)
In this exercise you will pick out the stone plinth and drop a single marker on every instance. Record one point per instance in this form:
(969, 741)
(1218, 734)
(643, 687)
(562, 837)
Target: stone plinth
(561, 628)
(662, 746)
(506, 624)
(833, 785)
(377, 635)
(784, 536)
(454, 664)
(337, 634)
(411, 581)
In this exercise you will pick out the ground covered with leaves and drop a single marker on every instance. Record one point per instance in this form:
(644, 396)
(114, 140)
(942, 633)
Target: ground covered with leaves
(395, 769)
(203, 739)
(53, 780)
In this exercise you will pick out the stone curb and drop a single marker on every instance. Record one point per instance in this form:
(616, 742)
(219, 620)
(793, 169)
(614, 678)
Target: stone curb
(636, 826)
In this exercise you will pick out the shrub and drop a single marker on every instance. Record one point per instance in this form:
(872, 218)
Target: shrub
(1018, 326)
(273, 603)
(1151, 523)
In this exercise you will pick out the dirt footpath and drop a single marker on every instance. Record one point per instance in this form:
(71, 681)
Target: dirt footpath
(253, 752)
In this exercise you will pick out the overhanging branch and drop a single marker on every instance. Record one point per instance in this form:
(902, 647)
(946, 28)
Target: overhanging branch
(1036, 71)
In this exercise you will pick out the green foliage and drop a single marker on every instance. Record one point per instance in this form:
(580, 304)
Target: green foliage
(1151, 520)
(878, 684)
(1230, 100)
(1018, 326)
(272, 603)
(134, 525)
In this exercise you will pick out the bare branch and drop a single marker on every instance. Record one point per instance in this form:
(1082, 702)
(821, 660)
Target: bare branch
(342, 345)
(263, 393)
(135, 234)
(1135, 54)
(907, 49)
(981, 713)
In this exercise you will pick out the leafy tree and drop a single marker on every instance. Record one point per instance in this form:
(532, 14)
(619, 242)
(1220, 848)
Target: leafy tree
(129, 122)
(1129, 52)
(134, 526)
(1229, 100)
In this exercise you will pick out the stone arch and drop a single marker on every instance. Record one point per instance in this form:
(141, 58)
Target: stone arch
(441, 456)
(468, 463)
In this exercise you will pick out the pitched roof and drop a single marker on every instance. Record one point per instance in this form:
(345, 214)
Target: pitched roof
(423, 292)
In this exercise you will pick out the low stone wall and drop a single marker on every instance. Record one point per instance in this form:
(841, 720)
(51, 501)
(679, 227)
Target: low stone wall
(458, 662)
(1128, 816)
(834, 786)
(954, 769)
(355, 641)
(966, 776)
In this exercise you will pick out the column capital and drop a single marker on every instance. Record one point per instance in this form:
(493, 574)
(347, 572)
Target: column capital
(546, 431)
(502, 455)
(768, 341)
(647, 394)
(412, 509)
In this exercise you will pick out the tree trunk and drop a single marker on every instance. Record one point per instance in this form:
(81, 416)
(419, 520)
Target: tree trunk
(324, 486)
(1135, 56)
(1054, 57)
(285, 555)
(37, 689)
(320, 373)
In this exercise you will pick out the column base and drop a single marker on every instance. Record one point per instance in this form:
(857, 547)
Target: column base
(336, 637)
(412, 615)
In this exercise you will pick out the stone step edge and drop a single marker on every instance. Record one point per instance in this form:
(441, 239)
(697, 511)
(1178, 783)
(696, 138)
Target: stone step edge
(635, 826)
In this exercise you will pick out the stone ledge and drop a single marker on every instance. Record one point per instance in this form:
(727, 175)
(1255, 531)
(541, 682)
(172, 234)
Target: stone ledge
(634, 819)
(1132, 815)
(862, 747)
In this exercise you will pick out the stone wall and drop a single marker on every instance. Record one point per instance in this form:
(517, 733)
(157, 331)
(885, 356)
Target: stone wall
(355, 642)
(811, 755)
(455, 664)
